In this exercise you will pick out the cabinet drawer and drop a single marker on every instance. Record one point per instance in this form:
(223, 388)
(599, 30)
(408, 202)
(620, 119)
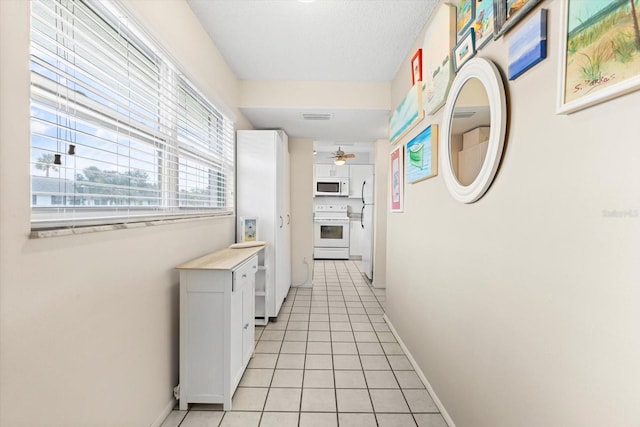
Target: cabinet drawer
(244, 273)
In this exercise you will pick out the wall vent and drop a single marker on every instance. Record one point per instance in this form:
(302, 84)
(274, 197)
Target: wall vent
(463, 114)
(317, 116)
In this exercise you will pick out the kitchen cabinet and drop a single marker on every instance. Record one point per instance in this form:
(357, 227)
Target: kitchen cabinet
(263, 181)
(217, 328)
(357, 176)
(356, 238)
(331, 170)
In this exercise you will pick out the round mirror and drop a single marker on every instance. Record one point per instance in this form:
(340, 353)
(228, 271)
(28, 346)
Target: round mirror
(473, 127)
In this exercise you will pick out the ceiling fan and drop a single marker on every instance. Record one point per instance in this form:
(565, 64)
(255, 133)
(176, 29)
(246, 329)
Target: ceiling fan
(340, 157)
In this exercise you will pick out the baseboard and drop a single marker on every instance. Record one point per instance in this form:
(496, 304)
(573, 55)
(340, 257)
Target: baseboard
(424, 380)
(302, 285)
(164, 414)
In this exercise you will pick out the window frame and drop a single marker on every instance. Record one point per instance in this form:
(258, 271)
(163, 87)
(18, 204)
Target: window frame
(164, 136)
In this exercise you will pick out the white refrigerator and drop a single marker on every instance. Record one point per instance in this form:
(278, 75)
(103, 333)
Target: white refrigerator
(367, 223)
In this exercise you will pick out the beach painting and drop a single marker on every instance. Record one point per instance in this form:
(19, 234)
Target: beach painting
(407, 115)
(600, 48)
(465, 14)
(396, 175)
(437, 67)
(484, 22)
(422, 155)
(528, 45)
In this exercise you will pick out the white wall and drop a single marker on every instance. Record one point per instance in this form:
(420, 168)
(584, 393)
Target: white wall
(380, 212)
(88, 323)
(522, 308)
(301, 157)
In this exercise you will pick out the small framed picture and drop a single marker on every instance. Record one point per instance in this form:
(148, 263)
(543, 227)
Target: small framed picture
(464, 50)
(397, 179)
(416, 67)
(249, 229)
(465, 15)
(484, 23)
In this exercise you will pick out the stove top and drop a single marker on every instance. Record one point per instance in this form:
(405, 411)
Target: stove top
(331, 212)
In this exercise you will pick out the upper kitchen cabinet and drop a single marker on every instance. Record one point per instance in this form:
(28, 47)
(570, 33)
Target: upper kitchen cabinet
(330, 170)
(357, 175)
(264, 193)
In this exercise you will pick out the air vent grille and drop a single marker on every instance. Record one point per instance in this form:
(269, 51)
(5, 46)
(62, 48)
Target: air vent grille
(463, 114)
(317, 116)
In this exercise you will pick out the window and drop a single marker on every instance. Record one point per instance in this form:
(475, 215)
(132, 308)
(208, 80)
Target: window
(117, 133)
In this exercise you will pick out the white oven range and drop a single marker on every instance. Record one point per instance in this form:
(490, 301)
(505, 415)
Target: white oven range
(331, 232)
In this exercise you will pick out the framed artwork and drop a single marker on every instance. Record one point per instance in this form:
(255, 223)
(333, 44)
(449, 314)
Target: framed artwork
(600, 59)
(416, 67)
(422, 155)
(464, 50)
(407, 115)
(397, 177)
(528, 45)
(249, 229)
(465, 14)
(483, 26)
(439, 40)
(507, 13)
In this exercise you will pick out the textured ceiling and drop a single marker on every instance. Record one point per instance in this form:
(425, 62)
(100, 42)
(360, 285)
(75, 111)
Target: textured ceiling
(341, 40)
(324, 40)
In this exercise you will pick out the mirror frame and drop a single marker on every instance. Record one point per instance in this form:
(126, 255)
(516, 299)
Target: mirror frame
(489, 75)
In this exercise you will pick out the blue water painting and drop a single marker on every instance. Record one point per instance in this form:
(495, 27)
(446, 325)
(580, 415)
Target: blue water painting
(407, 115)
(528, 45)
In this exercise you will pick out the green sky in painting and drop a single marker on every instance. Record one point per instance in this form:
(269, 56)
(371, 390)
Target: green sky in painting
(581, 10)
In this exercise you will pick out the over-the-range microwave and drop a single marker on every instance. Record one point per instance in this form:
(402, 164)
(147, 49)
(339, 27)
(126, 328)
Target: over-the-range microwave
(331, 187)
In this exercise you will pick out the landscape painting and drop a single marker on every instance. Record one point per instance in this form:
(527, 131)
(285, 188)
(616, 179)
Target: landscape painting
(465, 14)
(437, 67)
(407, 115)
(422, 155)
(601, 52)
(528, 45)
(484, 22)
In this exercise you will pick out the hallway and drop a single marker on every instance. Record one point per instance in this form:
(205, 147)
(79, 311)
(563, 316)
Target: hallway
(329, 360)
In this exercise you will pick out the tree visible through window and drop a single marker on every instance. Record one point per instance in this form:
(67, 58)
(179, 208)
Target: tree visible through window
(117, 134)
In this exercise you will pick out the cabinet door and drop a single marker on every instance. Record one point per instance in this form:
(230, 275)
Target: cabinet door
(330, 170)
(236, 337)
(324, 171)
(248, 319)
(355, 239)
(283, 239)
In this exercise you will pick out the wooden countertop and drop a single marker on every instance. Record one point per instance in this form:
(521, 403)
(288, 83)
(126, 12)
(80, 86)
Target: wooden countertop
(225, 259)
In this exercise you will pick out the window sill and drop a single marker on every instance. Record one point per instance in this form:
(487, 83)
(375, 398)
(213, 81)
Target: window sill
(68, 231)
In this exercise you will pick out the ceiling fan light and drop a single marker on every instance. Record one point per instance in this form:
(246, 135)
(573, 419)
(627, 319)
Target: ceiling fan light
(339, 162)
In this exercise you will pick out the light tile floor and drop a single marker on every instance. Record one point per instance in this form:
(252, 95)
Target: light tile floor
(330, 360)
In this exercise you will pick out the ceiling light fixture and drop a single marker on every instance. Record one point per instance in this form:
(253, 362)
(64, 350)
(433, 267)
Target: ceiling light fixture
(339, 162)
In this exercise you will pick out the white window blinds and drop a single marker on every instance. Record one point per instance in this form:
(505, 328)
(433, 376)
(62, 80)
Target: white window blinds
(117, 134)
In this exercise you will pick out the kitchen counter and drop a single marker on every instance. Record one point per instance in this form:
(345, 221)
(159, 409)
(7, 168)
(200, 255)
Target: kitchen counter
(225, 259)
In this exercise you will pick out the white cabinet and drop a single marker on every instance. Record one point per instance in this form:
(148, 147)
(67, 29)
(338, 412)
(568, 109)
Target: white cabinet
(216, 324)
(357, 175)
(263, 192)
(356, 237)
(331, 170)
